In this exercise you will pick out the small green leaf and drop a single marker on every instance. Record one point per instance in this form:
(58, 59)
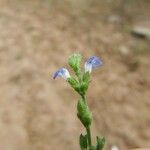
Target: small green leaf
(100, 143)
(83, 141)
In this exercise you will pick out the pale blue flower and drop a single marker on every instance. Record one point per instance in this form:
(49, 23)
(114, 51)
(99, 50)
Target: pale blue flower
(63, 72)
(91, 63)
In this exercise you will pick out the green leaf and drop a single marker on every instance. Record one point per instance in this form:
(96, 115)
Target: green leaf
(100, 143)
(83, 113)
(74, 62)
(81, 107)
(83, 141)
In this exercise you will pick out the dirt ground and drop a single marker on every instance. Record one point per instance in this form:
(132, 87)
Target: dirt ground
(37, 37)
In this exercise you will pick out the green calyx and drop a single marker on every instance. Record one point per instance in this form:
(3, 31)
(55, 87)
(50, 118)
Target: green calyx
(82, 86)
(74, 62)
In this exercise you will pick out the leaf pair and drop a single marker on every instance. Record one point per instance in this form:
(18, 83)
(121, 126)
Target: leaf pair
(84, 143)
(100, 143)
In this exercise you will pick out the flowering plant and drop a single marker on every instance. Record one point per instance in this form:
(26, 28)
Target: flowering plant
(80, 84)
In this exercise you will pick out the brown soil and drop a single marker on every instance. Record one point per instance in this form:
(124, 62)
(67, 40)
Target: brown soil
(36, 38)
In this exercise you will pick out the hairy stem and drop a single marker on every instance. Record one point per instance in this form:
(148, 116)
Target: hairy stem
(84, 99)
(89, 136)
(88, 130)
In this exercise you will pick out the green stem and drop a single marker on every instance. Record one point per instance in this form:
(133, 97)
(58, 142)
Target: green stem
(84, 99)
(89, 136)
(88, 130)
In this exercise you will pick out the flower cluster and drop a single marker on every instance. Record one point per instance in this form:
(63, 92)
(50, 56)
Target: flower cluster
(91, 63)
(83, 77)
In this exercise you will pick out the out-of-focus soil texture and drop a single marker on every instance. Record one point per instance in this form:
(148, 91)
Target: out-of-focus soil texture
(37, 37)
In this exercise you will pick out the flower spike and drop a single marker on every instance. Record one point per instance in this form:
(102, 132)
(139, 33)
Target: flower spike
(80, 84)
(63, 72)
(91, 63)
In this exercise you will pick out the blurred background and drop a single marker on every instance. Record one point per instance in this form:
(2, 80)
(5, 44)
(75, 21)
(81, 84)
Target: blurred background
(38, 36)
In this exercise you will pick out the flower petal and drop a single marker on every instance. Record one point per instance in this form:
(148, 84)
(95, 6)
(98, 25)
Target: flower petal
(63, 72)
(92, 62)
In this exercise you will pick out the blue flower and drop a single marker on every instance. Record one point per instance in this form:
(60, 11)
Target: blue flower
(63, 72)
(91, 63)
